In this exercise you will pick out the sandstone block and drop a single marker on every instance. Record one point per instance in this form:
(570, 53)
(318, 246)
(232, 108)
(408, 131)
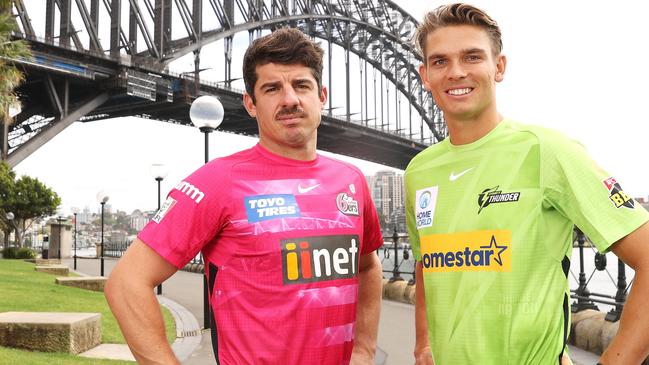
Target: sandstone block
(54, 269)
(50, 332)
(94, 283)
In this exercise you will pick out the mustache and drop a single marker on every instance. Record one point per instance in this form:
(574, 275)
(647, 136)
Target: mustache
(291, 111)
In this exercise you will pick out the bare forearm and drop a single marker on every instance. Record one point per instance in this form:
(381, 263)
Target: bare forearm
(631, 345)
(421, 323)
(139, 317)
(369, 309)
(423, 353)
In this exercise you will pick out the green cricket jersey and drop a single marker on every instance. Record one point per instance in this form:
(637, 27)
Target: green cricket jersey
(492, 224)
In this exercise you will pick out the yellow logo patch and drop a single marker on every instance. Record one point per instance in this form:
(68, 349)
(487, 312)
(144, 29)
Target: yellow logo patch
(467, 251)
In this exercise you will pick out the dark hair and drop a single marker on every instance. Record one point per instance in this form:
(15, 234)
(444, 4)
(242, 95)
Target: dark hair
(284, 46)
(457, 14)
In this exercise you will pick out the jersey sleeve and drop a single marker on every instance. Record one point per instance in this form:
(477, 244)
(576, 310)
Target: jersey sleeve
(372, 236)
(586, 194)
(413, 234)
(190, 217)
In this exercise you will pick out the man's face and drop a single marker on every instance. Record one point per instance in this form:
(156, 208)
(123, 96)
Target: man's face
(287, 108)
(461, 71)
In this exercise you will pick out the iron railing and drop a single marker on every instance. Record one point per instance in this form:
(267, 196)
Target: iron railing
(397, 260)
(398, 263)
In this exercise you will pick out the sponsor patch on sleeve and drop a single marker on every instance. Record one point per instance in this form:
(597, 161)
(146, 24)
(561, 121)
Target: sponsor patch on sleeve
(617, 196)
(164, 209)
(425, 201)
(272, 206)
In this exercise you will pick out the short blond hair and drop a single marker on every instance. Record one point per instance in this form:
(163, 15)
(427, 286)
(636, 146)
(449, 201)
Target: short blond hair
(457, 14)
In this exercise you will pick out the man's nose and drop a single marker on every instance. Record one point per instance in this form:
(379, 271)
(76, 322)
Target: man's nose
(289, 96)
(456, 71)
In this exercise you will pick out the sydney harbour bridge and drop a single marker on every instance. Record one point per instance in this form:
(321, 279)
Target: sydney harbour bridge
(102, 59)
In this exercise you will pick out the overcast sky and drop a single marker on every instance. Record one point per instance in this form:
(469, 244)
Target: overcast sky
(576, 66)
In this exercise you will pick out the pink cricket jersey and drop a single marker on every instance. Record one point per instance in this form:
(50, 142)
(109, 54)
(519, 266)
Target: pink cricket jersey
(282, 240)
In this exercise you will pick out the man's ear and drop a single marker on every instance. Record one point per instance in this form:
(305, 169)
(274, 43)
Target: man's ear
(249, 104)
(323, 97)
(424, 78)
(501, 65)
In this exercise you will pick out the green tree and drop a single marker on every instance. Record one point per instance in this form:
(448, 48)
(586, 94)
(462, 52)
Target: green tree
(32, 200)
(27, 198)
(10, 76)
(7, 187)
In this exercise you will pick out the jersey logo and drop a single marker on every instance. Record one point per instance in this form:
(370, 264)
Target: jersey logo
(493, 195)
(346, 204)
(616, 195)
(302, 190)
(164, 209)
(467, 251)
(191, 191)
(320, 258)
(453, 177)
(265, 207)
(425, 201)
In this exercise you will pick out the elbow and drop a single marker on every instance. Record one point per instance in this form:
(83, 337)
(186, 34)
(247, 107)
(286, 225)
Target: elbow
(111, 289)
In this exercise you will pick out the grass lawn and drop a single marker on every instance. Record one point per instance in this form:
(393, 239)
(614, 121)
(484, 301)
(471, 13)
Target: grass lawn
(25, 290)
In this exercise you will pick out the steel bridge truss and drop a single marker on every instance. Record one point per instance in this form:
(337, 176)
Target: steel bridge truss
(378, 32)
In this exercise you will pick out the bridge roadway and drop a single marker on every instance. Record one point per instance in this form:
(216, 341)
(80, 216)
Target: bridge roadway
(396, 339)
(71, 85)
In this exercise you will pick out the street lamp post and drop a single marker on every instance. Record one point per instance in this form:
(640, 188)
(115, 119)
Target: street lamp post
(206, 113)
(59, 219)
(75, 211)
(159, 172)
(102, 198)
(10, 217)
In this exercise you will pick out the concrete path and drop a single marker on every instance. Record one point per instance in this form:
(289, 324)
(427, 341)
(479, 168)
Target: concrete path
(396, 340)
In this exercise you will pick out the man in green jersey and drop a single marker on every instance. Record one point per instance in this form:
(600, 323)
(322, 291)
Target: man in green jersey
(491, 211)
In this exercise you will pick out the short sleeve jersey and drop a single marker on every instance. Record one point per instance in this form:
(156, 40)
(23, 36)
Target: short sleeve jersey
(282, 240)
(492, 224)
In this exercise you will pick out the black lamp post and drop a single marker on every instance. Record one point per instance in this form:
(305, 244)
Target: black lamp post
(102, 198)
(206, 113)
(75, 211)
(59, 219)
(159, 172)
(10, 217)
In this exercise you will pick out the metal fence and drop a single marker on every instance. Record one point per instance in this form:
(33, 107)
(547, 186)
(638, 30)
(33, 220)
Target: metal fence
(399, 264)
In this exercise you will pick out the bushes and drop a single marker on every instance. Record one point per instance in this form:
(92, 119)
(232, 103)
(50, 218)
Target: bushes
(18, 253)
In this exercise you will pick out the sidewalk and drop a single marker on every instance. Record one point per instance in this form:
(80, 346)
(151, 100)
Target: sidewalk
(396, 340)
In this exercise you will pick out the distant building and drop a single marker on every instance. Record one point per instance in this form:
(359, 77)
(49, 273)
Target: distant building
(84, 216)
(386, 188)
(139, 219)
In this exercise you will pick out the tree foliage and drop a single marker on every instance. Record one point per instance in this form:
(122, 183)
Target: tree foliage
(10, 76)
(27, 198)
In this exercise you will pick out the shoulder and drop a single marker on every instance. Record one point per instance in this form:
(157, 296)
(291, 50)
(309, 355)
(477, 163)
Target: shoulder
(546, 137)
(428, 154)
(215, 176)
(341, 167)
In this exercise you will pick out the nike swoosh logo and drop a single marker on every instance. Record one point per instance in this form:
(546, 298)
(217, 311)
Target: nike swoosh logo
(302, 190)
(453, 177)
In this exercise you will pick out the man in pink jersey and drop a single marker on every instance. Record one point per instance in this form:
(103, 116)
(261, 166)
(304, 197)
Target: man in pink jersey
(287, 234)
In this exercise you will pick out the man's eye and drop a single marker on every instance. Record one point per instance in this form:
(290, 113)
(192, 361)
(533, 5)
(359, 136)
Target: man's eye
(270, 89)
(439, 62)
(473, 58)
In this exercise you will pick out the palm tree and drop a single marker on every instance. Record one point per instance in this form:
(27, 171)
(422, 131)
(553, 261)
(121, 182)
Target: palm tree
(10, 76)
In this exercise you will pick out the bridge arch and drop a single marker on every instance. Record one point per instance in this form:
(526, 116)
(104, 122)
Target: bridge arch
(377, 32)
